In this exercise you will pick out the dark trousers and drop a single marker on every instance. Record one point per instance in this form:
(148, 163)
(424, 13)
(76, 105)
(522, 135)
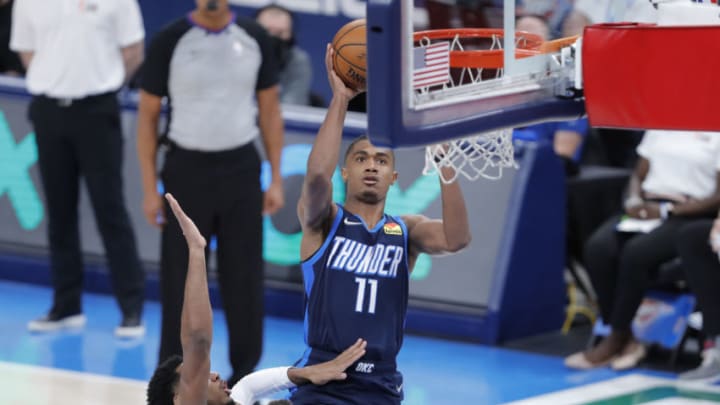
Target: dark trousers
(702, 269)
(84, 139)
(621, 266)
(221, 192)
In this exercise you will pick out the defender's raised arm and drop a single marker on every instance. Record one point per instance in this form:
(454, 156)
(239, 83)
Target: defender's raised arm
(196, 330)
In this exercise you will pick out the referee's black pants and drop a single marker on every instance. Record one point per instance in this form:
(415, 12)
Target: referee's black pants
(702, 269)
(84, 139)
(220, 192)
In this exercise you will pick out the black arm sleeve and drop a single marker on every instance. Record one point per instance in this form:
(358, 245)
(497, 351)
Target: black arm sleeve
(155, 71)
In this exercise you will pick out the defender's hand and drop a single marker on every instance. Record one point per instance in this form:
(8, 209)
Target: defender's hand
(192, 234)
(333, 370)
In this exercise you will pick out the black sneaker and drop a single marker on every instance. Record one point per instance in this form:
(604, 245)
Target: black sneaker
(131, 327)
(52, 322)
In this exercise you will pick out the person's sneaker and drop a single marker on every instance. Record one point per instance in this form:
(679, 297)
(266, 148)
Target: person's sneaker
(131, 327)
(708, 370)
(52, 322)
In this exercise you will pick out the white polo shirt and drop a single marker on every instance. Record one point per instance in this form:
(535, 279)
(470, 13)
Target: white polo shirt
(76, 44)
(682, 163)
(600, 11)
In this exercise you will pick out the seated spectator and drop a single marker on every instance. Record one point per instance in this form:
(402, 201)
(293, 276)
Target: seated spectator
(553, 12)
(458, 13)
(534, 24)
(10, 63)
(676, 180)
(699, 245)
(295, 66)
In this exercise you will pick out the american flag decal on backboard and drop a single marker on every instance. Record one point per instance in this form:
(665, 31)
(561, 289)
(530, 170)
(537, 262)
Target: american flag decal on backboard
(431, 65)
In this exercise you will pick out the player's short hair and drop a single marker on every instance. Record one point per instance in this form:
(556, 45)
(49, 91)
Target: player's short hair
(356, 141)
(163, 384)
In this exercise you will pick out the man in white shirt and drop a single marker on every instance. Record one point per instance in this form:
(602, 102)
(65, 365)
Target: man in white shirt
(78, 54)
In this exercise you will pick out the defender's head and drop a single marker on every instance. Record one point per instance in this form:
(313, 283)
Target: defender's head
(163, 388)
(369, 171)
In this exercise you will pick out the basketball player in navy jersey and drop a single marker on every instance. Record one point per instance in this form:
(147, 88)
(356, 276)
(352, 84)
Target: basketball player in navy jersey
(357, 260)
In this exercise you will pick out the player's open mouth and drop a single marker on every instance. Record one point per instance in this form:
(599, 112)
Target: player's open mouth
(370, 180)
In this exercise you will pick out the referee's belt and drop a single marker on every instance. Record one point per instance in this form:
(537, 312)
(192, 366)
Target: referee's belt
(69, 101)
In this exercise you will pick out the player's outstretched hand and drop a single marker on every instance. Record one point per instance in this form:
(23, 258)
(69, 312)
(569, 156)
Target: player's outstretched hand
(192, 235)
(336, 84)
(323, 373)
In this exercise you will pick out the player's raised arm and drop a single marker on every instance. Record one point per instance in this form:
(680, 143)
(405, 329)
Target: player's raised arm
(449, 235)
(315, 203)
(196, 323)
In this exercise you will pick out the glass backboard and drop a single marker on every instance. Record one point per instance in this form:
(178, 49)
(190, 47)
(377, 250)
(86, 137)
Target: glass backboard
(427, 88)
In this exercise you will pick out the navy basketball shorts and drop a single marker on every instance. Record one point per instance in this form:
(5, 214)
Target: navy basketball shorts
(359, 389)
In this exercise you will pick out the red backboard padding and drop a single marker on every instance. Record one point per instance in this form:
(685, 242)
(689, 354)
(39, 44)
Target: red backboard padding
(649, 77)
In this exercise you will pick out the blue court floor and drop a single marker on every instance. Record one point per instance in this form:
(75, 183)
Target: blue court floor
(436, 371)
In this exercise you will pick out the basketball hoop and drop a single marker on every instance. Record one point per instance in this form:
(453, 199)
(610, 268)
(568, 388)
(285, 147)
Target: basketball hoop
(479, 155)
(484, 155)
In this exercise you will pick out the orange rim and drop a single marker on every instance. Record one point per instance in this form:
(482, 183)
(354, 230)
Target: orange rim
(529, 45)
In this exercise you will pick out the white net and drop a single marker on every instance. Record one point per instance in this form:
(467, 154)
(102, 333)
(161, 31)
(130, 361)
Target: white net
(483, 155)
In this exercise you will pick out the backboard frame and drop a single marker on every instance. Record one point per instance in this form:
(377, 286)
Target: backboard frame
(394, 121)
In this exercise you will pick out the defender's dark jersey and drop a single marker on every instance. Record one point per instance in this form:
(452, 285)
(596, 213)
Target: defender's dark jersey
(356, 286)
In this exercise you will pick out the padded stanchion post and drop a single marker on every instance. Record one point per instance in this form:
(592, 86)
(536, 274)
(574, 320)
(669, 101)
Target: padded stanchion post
(644, 76)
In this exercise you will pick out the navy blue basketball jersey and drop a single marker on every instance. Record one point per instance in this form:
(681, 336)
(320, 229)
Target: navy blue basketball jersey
(356, 286)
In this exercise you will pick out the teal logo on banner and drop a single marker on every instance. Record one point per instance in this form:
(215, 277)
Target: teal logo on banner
(16, 159)
(284, 249)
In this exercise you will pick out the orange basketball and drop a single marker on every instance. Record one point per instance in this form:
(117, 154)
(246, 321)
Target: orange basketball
(349, 60)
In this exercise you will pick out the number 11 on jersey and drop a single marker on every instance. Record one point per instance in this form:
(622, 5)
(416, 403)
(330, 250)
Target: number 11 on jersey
(360, 301)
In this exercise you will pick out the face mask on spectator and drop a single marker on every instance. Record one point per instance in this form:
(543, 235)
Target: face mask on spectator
(283, 48)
